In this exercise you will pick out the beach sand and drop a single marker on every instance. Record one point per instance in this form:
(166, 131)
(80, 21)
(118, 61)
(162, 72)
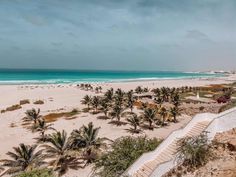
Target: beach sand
(68, 96)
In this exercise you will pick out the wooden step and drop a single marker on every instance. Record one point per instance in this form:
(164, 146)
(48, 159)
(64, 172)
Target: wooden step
(143, 173)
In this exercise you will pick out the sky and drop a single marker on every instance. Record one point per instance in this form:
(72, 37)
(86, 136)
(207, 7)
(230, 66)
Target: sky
(180, 35)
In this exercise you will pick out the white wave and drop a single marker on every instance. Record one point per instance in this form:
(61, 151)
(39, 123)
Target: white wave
(97, 80)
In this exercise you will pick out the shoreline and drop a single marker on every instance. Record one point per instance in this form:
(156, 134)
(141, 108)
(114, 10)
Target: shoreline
(118, 81)
(45, 77)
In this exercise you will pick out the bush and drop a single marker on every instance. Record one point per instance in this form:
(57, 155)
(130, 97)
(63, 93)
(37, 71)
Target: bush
(194, 151)
(24, 102)
(227, 106)
(223, 99)
(13, 107)
(201, 108)
(36, 173)
(39, 102)
(124, 151)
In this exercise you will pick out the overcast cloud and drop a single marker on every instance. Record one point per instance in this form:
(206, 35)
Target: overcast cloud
(118, 34)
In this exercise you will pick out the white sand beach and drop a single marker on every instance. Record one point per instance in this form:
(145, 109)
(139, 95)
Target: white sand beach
(68, 96)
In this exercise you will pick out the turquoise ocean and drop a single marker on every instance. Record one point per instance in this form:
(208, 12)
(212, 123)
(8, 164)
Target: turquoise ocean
(39, 76)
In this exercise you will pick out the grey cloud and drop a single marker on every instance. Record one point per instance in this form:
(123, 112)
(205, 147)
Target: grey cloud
(197, 35)
(57, 43)
(35, 20)
(117, 34)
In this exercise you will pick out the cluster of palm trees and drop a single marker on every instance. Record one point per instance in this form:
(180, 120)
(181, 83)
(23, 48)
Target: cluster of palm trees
(153, 115)
(87, 87)
(56, 151)
(114, 104)
(140, 90)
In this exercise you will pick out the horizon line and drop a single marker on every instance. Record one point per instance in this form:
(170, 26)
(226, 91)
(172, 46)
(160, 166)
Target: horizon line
(99, 70)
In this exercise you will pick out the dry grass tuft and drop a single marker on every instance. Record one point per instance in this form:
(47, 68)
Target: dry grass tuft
(39, 102)
(52, 117)
(25, 101)
(11, 108)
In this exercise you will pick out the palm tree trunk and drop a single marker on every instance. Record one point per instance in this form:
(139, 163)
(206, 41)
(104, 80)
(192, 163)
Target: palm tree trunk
(135, 127)
(150, 124)
(175, 119)
(163, 120)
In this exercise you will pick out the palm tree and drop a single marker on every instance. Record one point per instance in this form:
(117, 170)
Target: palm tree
(95, 102)
(159, 100)
(42, 126)
(86, 100)
(119, 96)
(92, 143)
(33, 115)
(134, 120)
(149, 115)
(144, 105)
(130, 100)
(157, 92)
(109, 94)
(87, 138)
(104, 106)
(24, 158)
(165, 92)
(174, 111)
(96, 89)
(138, 90)
(146, 89)
(57, 150)
(163, 112)
(100, 89)
(175, 100)
(116, 113)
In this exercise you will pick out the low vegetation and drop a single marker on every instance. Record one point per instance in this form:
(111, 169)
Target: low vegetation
(38, 102)
(37, 173)
(220, 161)
(12, 108)
(25, 101)
(124, 151)
(194, 151)
(52, 117)
(58, 152)
(229, 105)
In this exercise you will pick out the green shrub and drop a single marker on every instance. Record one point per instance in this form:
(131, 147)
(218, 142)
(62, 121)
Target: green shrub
(37, 173)
(124, 151)
(194, 151)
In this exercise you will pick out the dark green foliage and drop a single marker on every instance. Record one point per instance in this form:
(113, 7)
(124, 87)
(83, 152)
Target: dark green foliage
(32, 115)
(149, 115)
(37, 173)
(124, 151)
(87, 100)
(134, 121)
(23, 158)
(139, 90)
